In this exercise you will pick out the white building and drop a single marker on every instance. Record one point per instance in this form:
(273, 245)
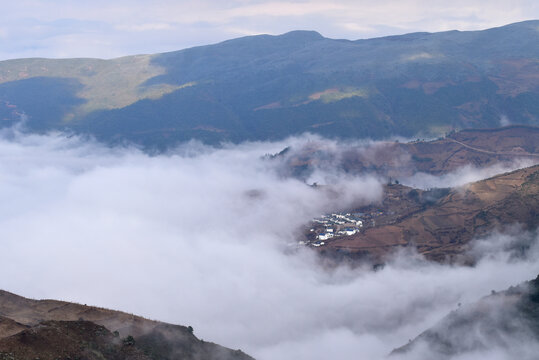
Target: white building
(324, 236)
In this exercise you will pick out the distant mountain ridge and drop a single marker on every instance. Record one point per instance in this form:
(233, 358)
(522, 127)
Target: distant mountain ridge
(270, 87)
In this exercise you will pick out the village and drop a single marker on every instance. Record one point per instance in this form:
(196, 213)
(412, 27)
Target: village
(329, 226)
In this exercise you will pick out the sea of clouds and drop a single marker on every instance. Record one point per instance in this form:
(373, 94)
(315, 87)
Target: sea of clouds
(202, 236)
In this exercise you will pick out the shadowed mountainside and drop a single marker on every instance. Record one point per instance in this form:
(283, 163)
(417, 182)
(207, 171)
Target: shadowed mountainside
(54, 329)
(270, 87)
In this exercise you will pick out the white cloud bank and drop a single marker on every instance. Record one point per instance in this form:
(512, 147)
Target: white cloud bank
(199, 237)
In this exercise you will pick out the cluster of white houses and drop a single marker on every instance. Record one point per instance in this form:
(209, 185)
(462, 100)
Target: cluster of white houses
(333, 225)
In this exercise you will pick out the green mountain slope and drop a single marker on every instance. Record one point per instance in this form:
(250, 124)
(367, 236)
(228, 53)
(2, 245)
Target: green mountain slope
(269, 87)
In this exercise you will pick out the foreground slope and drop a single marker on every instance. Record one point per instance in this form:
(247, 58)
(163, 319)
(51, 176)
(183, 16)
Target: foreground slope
(54, 329)
(269, 87)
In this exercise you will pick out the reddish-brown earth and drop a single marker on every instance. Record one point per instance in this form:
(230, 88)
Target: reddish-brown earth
(50, 329)
(441, 226)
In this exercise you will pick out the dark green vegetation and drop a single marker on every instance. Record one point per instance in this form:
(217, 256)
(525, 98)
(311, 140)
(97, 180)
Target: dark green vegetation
(269, 87)
(508, 319)
(50, 330)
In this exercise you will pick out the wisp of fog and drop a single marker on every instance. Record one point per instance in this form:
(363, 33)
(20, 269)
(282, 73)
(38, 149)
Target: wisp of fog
(205, 237)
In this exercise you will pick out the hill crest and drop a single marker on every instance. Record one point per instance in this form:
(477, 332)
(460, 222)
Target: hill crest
(22, 319)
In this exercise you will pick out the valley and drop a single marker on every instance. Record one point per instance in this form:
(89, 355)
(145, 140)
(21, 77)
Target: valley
(438, 222)
(399, 185)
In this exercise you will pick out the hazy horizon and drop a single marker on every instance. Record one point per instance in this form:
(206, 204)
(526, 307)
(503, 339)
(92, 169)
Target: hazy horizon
(63, 29)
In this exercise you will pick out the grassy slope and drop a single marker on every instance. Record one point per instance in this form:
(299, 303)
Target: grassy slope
(104, 84)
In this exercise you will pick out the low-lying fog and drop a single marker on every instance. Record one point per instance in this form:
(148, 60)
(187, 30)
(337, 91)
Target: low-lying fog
(200, 237)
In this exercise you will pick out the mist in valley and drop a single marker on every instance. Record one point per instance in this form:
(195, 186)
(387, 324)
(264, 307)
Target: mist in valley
(206, 237)
(315, 159)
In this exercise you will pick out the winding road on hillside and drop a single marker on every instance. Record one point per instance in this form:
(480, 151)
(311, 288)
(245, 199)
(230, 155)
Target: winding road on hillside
(493, 152)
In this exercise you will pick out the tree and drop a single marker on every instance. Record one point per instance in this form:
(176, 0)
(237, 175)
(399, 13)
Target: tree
(129, 341)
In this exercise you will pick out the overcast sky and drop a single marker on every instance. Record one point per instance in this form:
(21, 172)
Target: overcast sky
(106, 29)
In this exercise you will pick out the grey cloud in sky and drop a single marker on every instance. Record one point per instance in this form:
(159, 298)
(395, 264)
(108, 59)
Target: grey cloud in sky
(109, 29)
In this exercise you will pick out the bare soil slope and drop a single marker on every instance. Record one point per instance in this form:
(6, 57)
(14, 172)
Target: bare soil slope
(29, 327)
(441, 228)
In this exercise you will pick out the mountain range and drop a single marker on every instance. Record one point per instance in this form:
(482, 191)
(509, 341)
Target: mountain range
(270, 87)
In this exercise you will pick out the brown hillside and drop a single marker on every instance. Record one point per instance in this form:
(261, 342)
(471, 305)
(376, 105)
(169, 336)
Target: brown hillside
(44, 320)
(479, 148)
(10, 327)
(51, 340)
(441, 228)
